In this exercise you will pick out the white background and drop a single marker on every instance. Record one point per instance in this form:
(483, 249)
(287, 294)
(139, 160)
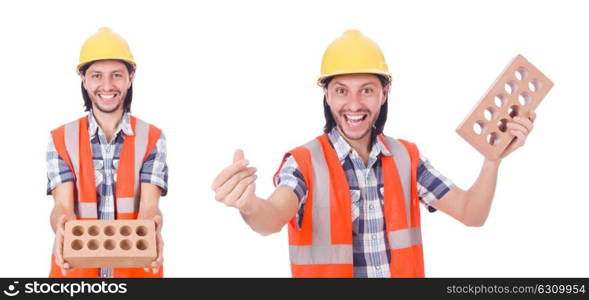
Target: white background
(217, 76)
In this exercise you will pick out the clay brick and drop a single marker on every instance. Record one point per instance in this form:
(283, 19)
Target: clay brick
(518, 91)
(109, 243)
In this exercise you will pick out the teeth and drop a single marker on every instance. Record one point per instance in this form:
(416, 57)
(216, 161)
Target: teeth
(355, 118)
(106, 96)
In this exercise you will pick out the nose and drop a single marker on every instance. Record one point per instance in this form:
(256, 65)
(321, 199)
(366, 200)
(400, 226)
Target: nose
(107, 83)
(355, 102)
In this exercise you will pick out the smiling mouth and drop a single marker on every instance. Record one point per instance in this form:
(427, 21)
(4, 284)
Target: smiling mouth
(107, 97)
(355, 118)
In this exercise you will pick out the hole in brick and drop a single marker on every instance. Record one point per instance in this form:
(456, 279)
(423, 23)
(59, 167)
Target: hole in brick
(93, 230)
(523, 98)
(521, 74)
(493, 139)
(109, 244)
(499, 100)
(142, 244)
(141, 231)
(125, 230)
(489, 113)
(510, 87)
(78, 230)
(502, 125)
(513, 111)
(93, 244)
(77, 244)
(534, 85)
(126, 245)
(109, 230)
(478, 127)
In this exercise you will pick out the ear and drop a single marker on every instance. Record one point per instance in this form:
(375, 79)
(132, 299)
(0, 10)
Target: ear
(131, 78)
(326, 96)
(385, 92)
(83, 78)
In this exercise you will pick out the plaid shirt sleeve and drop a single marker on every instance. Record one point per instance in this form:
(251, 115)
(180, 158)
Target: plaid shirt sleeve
(431, 184)
(58, 171)
(291, 177)
(155, 169)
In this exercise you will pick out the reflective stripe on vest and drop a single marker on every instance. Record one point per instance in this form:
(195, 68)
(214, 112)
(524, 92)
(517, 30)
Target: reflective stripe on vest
(407, 237)
(321, 251)
(312, 251)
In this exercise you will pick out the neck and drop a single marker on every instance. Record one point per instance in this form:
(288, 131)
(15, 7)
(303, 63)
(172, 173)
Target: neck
(361, 146)
(108, 122)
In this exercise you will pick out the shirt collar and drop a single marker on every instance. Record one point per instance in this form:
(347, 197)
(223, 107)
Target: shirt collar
(124, 125)
(343, 149)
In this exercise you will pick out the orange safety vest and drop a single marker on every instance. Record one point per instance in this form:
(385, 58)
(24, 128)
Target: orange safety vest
(322, 247)
(72, 143)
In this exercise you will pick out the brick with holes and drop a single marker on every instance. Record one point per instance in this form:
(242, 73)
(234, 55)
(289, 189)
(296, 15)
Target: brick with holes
(109, 243)
(518, 90)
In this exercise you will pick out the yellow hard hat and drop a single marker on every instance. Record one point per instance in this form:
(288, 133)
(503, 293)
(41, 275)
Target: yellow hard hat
(352, 53)
(105, 44)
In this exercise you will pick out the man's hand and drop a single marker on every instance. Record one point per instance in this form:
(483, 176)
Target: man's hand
(520, 127)
(235, 186)
(159, 261)
(59, 233)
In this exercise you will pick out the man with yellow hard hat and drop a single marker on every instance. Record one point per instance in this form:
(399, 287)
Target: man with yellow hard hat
(351, 196)
(108, 164)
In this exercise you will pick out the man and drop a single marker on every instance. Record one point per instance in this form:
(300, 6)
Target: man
(351, 196)
(107, 165)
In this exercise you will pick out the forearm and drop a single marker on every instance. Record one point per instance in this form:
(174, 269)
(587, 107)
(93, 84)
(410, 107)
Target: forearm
(480, 195)
(269, 216)
(63, 204)
(149, 202)
(264, 220)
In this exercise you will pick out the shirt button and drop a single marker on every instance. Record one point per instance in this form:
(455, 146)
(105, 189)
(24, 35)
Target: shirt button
(371, 206)
(378, 267)
(374, 236)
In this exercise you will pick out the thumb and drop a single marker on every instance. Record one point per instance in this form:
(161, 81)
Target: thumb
(61, 222)
(238, 155)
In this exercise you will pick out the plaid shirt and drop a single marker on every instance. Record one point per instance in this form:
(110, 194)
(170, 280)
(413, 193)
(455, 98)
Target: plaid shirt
(105, 156)
(371, 257)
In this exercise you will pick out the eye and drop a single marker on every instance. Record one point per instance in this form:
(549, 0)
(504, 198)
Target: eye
(367, 90)
(95, 76)
(340, 91)
(118, 75)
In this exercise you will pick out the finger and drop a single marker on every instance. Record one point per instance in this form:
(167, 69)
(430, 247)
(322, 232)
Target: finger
(517, 127)
(59, 248)
(524, 122)
(222, 191)
(64, 269)
(239, 189)
(238, 155)
(160, 249)
(228, 172)
(242, 201)
(532, 116)
(520, 138)
(61, 222)
(157, 219)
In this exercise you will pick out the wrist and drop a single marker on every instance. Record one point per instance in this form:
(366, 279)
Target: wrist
(251, 207)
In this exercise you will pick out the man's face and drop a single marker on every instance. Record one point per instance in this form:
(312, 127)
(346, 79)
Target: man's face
(355, 101)
(107, 82)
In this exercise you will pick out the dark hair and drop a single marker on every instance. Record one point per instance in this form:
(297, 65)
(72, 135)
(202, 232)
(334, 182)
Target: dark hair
(380, 121)
(128, 97)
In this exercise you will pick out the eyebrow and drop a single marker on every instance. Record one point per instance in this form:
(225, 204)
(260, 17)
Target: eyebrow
(97, 71)
(363, 85)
